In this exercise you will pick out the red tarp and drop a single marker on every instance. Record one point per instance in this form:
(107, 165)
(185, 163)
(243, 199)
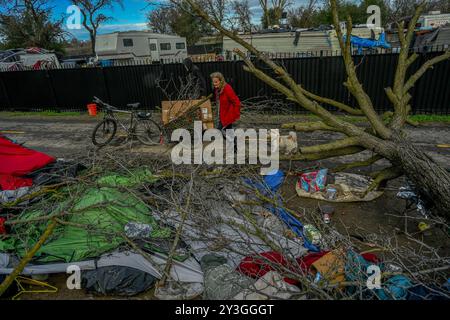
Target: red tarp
(2, 226)
(8, 182)
(18, 161)
(258, 265)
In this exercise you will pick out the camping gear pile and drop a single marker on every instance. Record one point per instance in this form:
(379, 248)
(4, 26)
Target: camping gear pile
(336, 187)
(131, 225)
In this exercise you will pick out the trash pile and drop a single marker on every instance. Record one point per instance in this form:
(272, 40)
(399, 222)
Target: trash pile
(132, 225)
(336, 187)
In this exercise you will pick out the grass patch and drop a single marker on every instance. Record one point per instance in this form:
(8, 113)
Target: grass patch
(421, 118)
(42, 114)
(352, 119)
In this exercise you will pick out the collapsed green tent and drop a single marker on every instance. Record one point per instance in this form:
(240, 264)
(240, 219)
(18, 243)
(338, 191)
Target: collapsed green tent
(94, 224)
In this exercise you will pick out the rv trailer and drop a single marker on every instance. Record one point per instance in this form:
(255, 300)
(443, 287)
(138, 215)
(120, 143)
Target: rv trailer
(140, 46)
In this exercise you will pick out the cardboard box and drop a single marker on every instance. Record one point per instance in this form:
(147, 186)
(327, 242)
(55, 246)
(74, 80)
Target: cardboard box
(171, 110)
(332, 266)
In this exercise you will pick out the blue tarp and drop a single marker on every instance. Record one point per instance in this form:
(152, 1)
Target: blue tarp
(369, 43)
(270, 187)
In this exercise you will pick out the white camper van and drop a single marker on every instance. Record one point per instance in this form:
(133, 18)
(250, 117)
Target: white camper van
(433, 19)
(34, 58)
(301, 42)
(140, 46)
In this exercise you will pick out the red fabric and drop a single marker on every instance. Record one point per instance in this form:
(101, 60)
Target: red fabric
(16, 160)
(8, 182)
(2, 226)
(230, 106)
(258, 266)
(370, 257)
(306, 262)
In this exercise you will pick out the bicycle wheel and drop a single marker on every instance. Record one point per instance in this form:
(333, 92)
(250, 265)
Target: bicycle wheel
(148, 132)
(104, 132)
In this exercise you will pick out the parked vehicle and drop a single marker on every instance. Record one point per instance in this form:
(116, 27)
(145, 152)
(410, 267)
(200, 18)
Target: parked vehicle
(32, 58)
(140, 46)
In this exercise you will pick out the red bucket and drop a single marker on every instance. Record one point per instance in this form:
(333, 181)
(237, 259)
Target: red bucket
(92, 109)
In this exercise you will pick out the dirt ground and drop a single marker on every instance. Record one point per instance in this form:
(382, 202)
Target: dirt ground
(70, 137)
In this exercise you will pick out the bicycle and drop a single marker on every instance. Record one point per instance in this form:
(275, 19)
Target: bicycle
(141, 126)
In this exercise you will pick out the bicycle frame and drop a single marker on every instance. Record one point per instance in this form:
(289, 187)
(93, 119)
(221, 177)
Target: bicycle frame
(134, 120)
(110, 114)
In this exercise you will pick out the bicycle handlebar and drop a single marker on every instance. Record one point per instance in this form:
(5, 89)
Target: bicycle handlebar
(104, 104)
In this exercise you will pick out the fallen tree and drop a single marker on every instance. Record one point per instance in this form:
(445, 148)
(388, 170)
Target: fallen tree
(385, 138)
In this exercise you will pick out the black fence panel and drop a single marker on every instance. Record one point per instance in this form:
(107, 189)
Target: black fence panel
(375, 77)
(4, 99)
(131, 84)
(30, 90)
(431, 93)
(73, 89)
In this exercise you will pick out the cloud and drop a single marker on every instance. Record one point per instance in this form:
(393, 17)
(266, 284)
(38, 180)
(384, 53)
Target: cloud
(83, 34)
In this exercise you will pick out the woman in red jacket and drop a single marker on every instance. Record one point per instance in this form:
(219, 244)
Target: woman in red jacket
(227, 103)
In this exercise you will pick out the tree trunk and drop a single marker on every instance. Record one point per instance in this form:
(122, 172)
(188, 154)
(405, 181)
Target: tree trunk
(431, 179)
(93, 36)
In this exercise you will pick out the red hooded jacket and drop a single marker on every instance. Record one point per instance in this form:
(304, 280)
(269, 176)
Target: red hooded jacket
(230, 106)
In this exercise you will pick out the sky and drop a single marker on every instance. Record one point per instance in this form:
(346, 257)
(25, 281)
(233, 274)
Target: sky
(133, 16)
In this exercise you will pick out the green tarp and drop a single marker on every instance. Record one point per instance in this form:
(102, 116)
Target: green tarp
(134, 178)
(95, 224)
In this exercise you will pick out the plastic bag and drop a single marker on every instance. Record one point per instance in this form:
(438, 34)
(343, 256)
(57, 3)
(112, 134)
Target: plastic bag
(314, 181)
(409, 193)
(138, 230)
(117, 280)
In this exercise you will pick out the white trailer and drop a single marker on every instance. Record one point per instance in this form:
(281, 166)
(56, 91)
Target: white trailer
(433, 20)
(301, 43)
(140, 46)
(21, 59)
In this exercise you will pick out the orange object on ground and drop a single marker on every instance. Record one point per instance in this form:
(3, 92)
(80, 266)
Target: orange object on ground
(332, 266)
(92, 109)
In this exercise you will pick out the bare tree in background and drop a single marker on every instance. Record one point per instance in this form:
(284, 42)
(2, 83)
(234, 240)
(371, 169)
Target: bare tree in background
(302, 16)
(243, 15)
(265, 8)
(92, 16)
(399, 9)
(30, 23)
(160, 20)
(278, 7)
(443, 5)
(273, 11)
(385, 138)
(218, 9)
(173, 17)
